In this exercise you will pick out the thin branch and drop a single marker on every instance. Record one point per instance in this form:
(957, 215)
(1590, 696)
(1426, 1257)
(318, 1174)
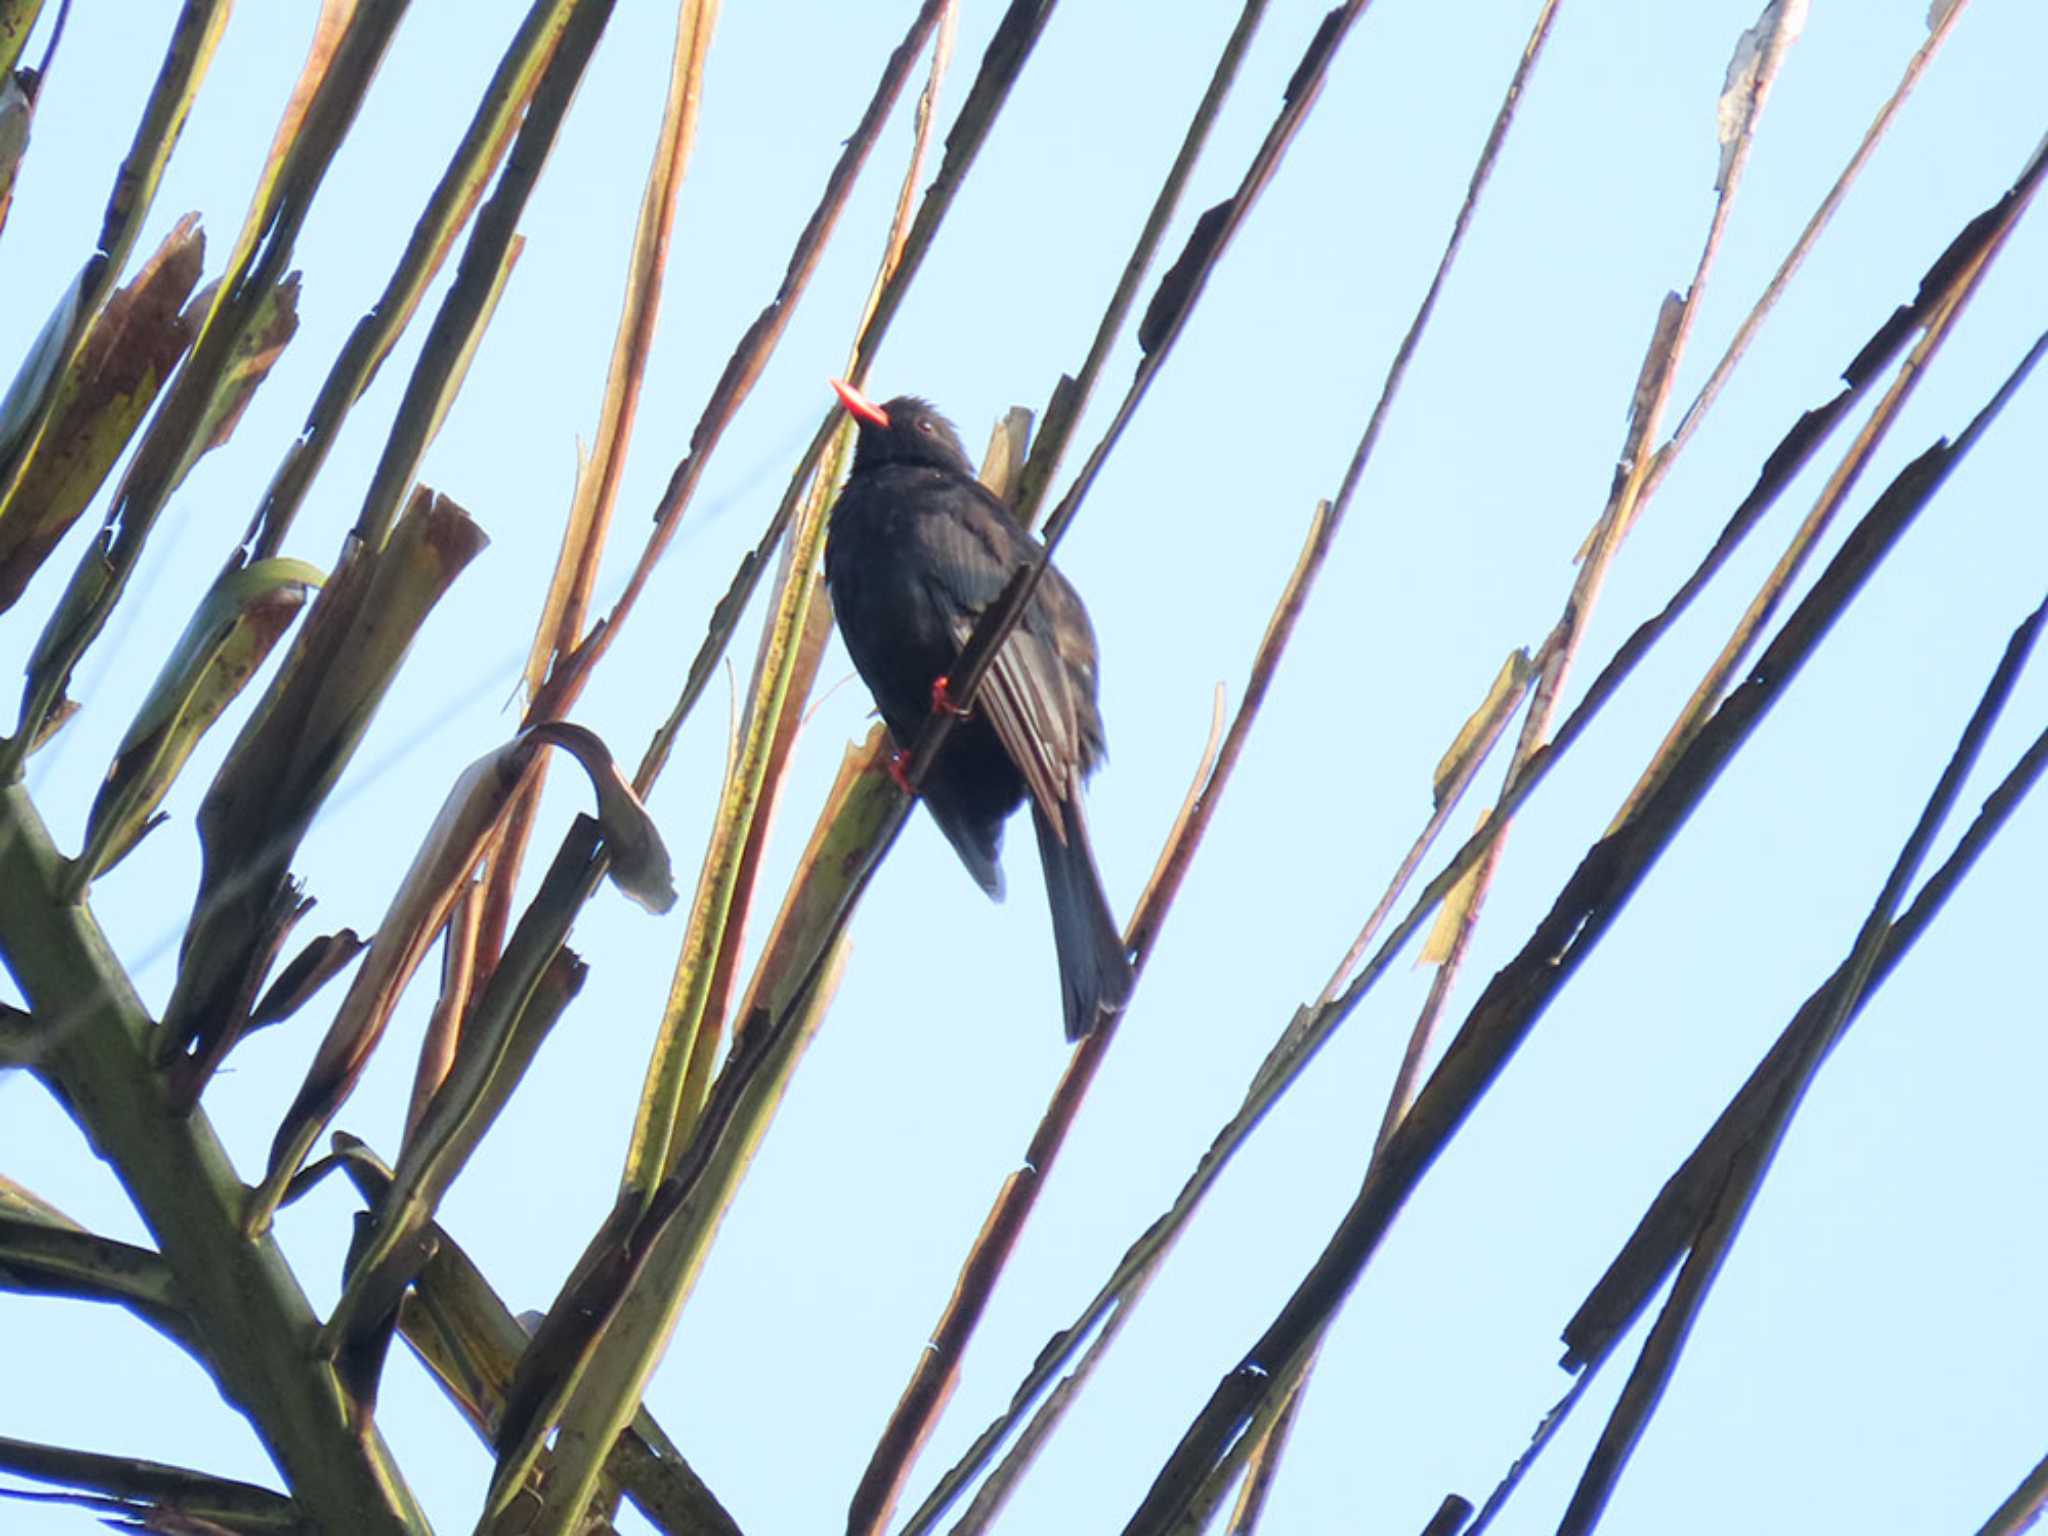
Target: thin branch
(939, 1365)
(2023, 1506)
(247, 305)
(743, 368)
(782, 678)
(770, 1046)
(1018, 1196)
(1845, 996)
(1063, 413)
(1745, 333)
(1626, 502)
(588, 524)
(1519, 994)
(455, 196)
(1164, 320)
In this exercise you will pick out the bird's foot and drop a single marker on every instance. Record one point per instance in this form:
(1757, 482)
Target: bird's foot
(942, 698)
(899, 770)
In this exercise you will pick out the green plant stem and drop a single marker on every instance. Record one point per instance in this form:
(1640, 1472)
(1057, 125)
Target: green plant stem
(243, 1299)
(17, 20)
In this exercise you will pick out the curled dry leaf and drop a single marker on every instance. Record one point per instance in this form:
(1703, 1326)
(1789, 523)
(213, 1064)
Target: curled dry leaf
(227, 641)
(453, 846)
(462, 833)
(639, 859)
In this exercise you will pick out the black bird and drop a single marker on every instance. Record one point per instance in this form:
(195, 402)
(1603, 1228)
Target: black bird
(918, 548)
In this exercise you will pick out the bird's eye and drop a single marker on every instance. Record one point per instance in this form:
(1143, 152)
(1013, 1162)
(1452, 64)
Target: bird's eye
(924, 424)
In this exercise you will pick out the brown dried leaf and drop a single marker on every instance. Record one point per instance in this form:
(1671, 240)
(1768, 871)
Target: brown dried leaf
(468, 823)
(440, 871)
(1512, 678)
(323, 959)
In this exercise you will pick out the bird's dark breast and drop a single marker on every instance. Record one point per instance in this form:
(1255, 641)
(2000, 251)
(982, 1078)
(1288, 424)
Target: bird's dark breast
(897, 612)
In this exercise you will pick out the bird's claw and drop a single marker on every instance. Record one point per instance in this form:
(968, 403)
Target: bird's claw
(899, 770)
(942, 698)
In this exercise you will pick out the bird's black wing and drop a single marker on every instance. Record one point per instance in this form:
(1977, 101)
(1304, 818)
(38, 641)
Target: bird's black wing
(1029, 704)
(1033, 695)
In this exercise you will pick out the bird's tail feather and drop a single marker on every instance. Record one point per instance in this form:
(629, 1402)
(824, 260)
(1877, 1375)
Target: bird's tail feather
(1095, 968)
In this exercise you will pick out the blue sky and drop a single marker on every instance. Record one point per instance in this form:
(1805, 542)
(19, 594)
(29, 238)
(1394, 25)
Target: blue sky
(1871, 1357)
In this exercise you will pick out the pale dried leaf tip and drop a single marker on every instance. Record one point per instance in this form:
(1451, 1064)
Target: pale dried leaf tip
(1007, 444)
(1511, 679)
(1453, 914)
(1775, 31)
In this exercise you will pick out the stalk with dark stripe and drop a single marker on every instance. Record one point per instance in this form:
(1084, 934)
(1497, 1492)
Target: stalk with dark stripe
(918, 548)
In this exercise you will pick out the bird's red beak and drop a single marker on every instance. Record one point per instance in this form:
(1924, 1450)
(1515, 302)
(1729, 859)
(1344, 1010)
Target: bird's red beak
(861, 407)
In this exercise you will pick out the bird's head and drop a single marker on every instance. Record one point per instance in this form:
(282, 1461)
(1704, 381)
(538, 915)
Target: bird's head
(906, 430)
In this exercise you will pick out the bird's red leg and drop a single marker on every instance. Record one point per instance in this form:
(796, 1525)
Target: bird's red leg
(942, 702)
(942, 698)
